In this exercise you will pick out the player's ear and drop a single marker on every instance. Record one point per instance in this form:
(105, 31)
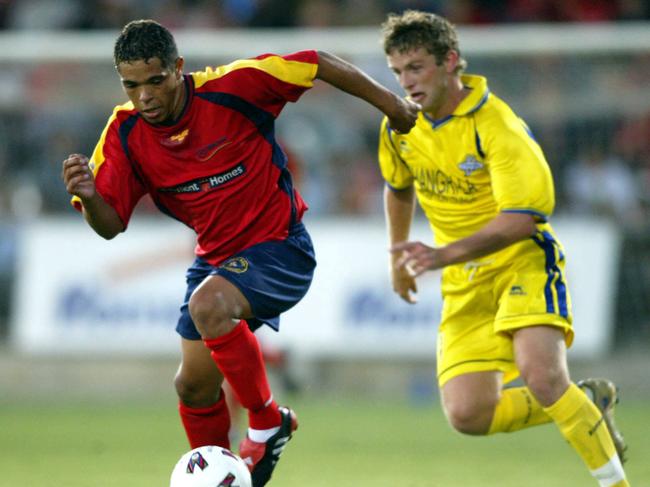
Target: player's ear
(451, 61)
(178, 67)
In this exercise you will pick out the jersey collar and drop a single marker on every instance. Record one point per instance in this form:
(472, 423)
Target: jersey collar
(473, 101)
(476, 98)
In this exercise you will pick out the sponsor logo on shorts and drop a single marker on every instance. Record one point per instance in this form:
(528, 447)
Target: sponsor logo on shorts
(238, 265)
(517, 291)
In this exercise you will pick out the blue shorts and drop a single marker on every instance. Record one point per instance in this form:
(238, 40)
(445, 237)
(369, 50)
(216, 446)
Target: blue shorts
(273, 276)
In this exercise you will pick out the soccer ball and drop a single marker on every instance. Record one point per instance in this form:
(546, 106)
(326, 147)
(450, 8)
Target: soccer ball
(210, 466)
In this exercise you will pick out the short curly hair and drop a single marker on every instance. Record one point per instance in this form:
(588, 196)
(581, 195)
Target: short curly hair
(144, 40)
(413, 29)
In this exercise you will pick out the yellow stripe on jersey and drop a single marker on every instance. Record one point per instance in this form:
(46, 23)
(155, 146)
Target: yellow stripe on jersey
(295, 72)
(97, 158)
(468, 167)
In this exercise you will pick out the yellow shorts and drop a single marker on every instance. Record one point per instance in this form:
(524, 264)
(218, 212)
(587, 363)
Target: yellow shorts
(485, 301)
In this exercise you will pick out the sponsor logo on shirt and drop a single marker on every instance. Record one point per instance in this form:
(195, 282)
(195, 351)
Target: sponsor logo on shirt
(207, 183)
(470, 164)
(444, 187)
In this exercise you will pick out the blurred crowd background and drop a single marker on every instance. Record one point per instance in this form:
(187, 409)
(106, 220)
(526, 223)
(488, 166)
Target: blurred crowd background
(591, 113)
(109, 14)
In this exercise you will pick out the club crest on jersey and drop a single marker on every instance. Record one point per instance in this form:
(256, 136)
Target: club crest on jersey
(470, 164)
(196, 460)
(238, 265)
(403, 146)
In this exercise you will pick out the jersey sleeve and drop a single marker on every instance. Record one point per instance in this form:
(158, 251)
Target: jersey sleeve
(521, 178)
(268, 81)
(393, 169)
(115, 179)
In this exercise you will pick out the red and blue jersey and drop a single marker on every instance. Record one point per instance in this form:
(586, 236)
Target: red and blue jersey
(218, 168)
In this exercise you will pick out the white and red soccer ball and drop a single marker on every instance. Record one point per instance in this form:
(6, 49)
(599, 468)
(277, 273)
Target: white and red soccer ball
(210, 466)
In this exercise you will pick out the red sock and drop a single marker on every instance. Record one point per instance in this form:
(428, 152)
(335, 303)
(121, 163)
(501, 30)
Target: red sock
(207, 426)
(239, 358)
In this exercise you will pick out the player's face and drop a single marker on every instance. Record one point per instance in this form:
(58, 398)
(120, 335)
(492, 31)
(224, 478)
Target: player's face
(422, 78)
(155, 91)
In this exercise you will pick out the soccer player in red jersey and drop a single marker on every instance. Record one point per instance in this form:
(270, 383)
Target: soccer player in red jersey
(202, 145)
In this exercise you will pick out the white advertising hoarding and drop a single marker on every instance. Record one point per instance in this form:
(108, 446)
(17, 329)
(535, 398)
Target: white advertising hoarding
(76, 293)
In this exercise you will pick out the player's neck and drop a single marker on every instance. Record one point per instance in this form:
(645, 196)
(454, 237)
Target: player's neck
(455, 94)
(179, 104)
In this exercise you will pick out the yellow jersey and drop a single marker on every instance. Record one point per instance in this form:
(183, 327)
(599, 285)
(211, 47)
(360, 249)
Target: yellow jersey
(469, 166)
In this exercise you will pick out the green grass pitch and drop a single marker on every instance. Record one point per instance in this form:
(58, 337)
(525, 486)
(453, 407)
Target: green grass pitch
(339, 443)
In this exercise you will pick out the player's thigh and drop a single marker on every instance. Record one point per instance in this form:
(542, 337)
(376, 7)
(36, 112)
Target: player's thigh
(273, 276)
(216, 298)
(198, 380)
(540, 354)
(540, 347)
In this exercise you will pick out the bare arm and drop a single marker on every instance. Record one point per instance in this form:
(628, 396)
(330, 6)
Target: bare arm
(398, 208)
(504, 230)
(79, 181)
(339, 73)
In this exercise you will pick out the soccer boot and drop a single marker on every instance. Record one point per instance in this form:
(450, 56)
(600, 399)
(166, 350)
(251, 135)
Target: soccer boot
(604, 395)
(262, 458)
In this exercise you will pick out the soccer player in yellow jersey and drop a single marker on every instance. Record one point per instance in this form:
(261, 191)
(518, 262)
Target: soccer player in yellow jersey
(487, 191)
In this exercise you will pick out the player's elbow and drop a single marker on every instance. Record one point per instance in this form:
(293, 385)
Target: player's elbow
(106, 231)
(517, 226)
(107, 235)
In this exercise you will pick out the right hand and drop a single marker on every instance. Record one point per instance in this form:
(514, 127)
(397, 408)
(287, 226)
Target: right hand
(403, 282)
(78, 177)
(405, 115)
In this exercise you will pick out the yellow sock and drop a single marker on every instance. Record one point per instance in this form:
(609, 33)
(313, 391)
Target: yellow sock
(517, 409)
(581, 423)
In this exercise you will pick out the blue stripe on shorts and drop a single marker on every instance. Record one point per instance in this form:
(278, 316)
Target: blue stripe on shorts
(555, 278)
(273, 276)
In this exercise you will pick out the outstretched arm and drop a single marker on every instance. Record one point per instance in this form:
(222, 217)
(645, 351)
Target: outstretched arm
(339, 73)
(79, 181)
(504, 230)
(398, 208)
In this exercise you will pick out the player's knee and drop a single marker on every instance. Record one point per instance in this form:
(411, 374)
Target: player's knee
(210, 314)
(194, 393)
(546, 383)
(469, 419)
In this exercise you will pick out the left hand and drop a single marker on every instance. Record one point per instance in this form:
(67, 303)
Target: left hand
(403, 119)
(417, 257)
